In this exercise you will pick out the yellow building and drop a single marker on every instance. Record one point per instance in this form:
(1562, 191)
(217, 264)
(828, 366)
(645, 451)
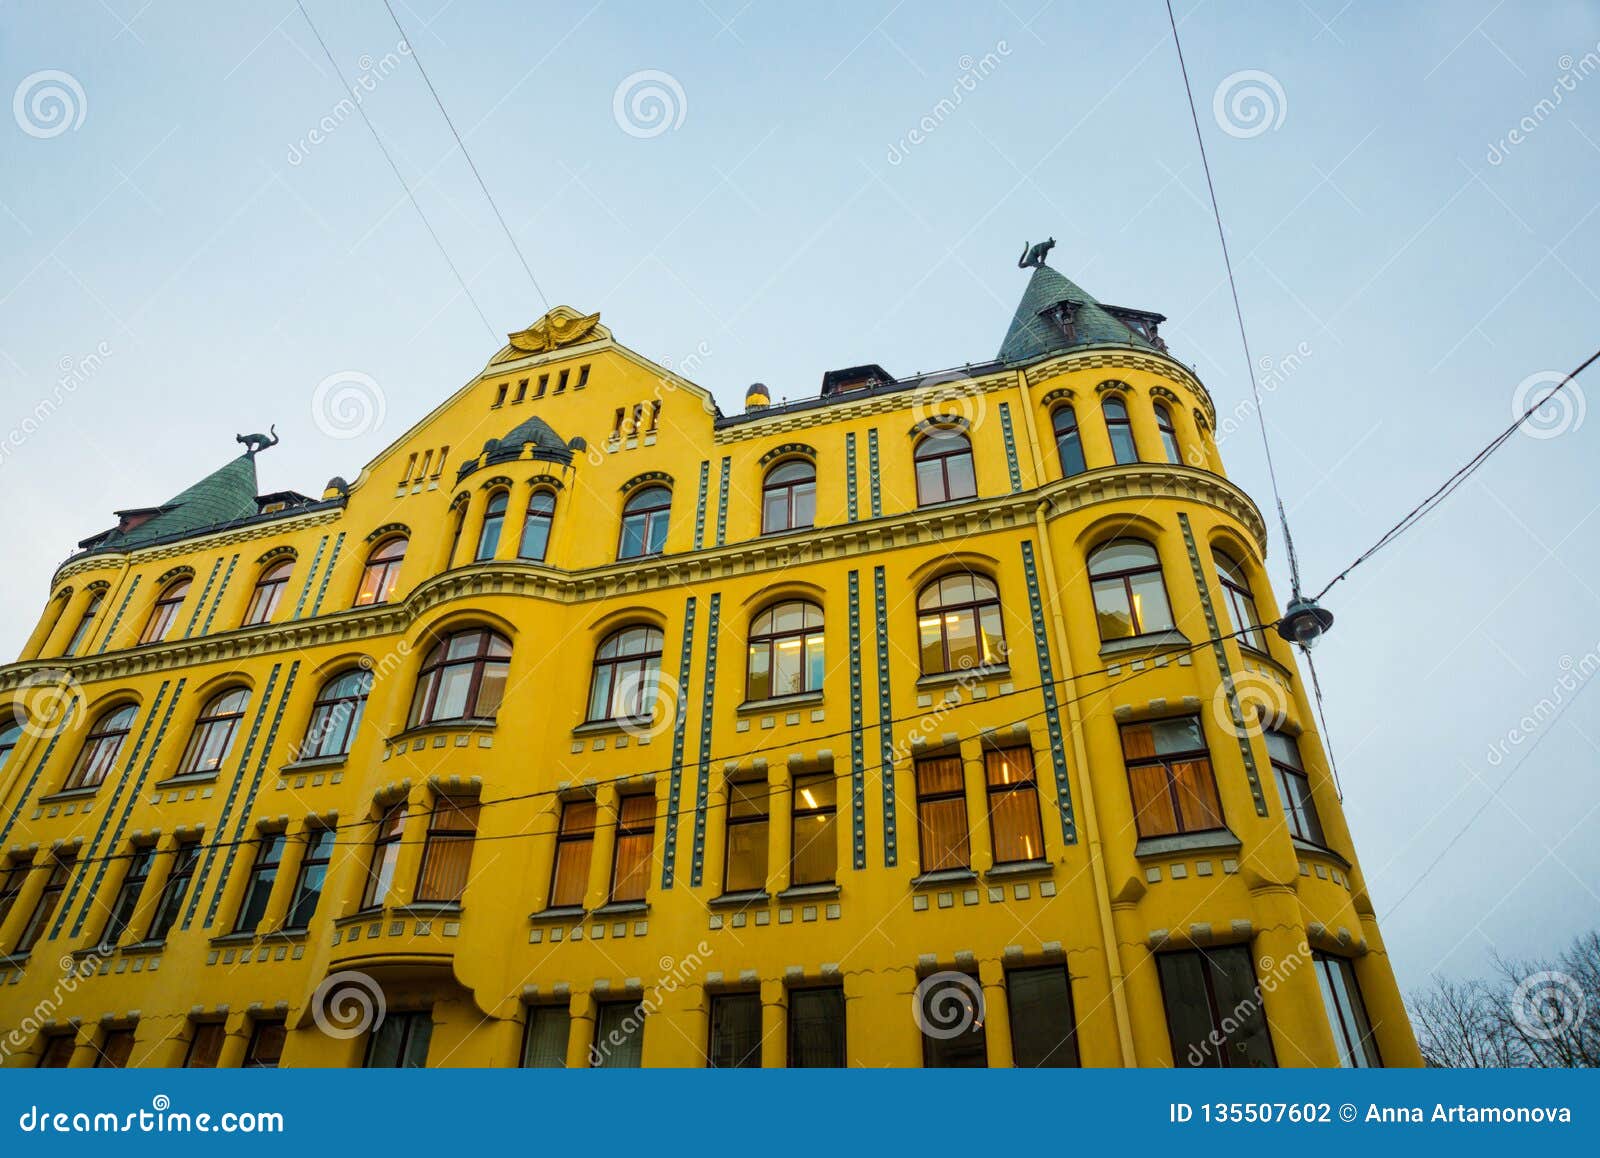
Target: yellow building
(927, 721)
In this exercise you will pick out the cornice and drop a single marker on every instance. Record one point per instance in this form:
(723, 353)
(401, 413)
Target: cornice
(118, 560)
(1150, 362)
(884, 403)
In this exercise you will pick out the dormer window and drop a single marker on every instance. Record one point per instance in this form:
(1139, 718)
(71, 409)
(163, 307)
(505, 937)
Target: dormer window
(1064, 317)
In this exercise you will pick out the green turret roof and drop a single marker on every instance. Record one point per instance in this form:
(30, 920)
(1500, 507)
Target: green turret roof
(1033, 336)
(224, 496)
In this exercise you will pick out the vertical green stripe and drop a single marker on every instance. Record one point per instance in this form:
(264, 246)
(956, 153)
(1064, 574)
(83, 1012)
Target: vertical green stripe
(205, 628)
(885, 719)
(873, 480)
(852, 511)
(117, 618)
(1052, 713)
(703, 782)
(311, 575)
(333, 561)
(700, 505)
(669, 854)
(205, 593)
(1011, 447)
(858, 790)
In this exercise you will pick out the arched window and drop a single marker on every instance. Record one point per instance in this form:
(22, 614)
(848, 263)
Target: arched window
(1069, 444)
(1169, 433)
(101, 746)
(785, 651)
(378, 581)
(944, 468)
(462, 678)
(789, 497)
(644, 522)
(335, 715)
(10, 737)
(90, 610)
(1241, 603)
(958, 624)
(165, 613)
(1120, 430)
(213, 732)
(460, 511)
(627, 666)
(268, 593)
(494, 517)
(536, 526)
(1129, 597)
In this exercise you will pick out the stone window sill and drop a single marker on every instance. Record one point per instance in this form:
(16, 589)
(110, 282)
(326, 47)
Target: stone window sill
(809, 892)
(1216, 840)
(622, 908)
(1021, 868)
(186, 781)
(560, 913)
(781, 703)
(1306, 846)
(1151, 643)
(740, 899)
(607, 727)
(435, 727)
(429, 909)
(317, 762)
(943, 877)
(69, 794)
(967, 675)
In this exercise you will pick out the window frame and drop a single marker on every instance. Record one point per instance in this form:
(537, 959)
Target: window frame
(44, 907)
(260, 882)
(1119, 427)
(494, 522)
(1297, 811)
(344, 710)
(959, 443)
(761, 815)
(267, 595)
(1168, 432)
(413, 1025)
(451, 822)
(544, 517)
(126, 901)
(534, 1014)
(1216, 1015)
(1068, 433)
(771, 639)
(262, 1031)
(164, 611)
(924, 798)
(214, 720)
(318, 854)
(1016, 1016)
(384, 858)
(975, 606)
(1165, 760)
(654, 642)
(380, 575)
(741, 999)
(570, 836)
(647, 518)
(437, 662)
(1022, 788)
(628, 1007)
(91, 611)
(106, 735)
(174, 890)
(794, 493)
(804, 994)
(633, 829)
(1241, 600)
(204, 1029)
(1126, 575)
(1357, 1050)
(799, 813)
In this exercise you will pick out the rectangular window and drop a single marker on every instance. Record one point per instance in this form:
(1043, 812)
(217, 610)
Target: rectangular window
(385, 855)
(115, 1050)
(816, 1028)
(815, 848)
(618, 1036)
(258, 887)
(544, 1045)
(45, 907)
(735, 1032)
(1169, 777)
(11, 887)
(1014, 823)
(749, 804)
(951, 1006)
(308, 883)
(1214, 1013)
(400, 1042)
(265, 1050)
(1294, 788)
(184, 860)
(205, 1045)
(1347, 1013)
(127, 898)
(447, 851)
(636, 834)
(1044, 1034)
(58, 1051)
(574, 849)
(942, 814)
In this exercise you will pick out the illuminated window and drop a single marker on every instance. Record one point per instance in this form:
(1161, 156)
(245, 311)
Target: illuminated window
(1013, 794)
(1120, 430)
(627, 668)
(165, 612)
(1129, 596)
(101, 747)
(1241, 603)
(958, 624)
(382, 572)
(942, 814)
(1169, 777)
(463, 677)
(574, 850)
(494, 518)
(814, 848)
(789, 497)
(749, 813)
(785, 655)
(945, 473)
(213, 733)
(1214, 1012)
(636, 834)
(1069, 443)
(447, 850)
(644, 523)
(385, 856)
(268, 594)
(536, 527)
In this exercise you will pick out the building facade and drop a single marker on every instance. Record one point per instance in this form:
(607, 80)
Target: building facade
(927, 721)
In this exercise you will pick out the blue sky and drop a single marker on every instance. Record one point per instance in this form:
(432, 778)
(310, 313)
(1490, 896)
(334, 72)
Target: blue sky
(181, 231)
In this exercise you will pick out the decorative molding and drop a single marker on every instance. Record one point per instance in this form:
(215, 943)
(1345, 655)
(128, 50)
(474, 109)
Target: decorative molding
(1122, 359)
(461, 500)
(281, 552)
(498, 480)
(885, 718)
(1009, 436)
(809, 418)
(1059, 394)
(939, 422)
(546, 480)
(787, 449)
(169, 576)
(851, 500)
(669, 853)
(388, 529)
(700, 505)
(1052, 708)
(649, 476)
(1200, 420)
(702, 792)
(1163, 392)
(858, 763)
(1114, 385)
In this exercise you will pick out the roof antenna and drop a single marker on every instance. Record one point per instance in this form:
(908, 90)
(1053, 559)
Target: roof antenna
(254, 444)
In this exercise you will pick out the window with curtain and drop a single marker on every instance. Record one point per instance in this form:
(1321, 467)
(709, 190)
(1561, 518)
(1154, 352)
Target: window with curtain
(258, 885)
(185, 859)
(749, 817)
(789, 497)
(494, 519)
(382, 572)
(400, 1041)
(958, 624)
(1294, 788)
(785, 653)
(335, 715)
(101, 747)
(1214, 1014)
(618, 1035)
(574, 849)
(627, 668)
(1169, 434)
(1069, 442)
(127, 898)
(385, 856)
(1044, 1032)
(264, 600)
(1347, 1014)
(447, 850)
(735, 1032)
(942, 814)
(213, 733)
(1170, 778)
(644, 523)
(814, 844)
(953, 1006)
(165, 612)
(310, 879)
(945, 473)
(817, 1028)
(1013, 792)
(45, 907)
(1121, 431)
(81, 632)
(463, 677)
(206, 1040)
(536, 524)
(636, 834)
(1129, 596)
(544, 1041)
(115, 1050)
(10, 737)
(267, 1038)
(1241, 603)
